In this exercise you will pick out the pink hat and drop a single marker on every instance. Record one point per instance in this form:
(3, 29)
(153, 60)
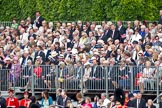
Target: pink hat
(15, 58)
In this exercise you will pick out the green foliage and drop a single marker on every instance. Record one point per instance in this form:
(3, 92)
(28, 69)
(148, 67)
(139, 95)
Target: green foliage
(86, 10)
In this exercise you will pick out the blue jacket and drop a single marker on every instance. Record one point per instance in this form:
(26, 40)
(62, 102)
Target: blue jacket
(50, 101)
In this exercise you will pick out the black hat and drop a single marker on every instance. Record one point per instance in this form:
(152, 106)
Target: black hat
(135, 42)
(98, 46)
(130, 95)
(119, 96)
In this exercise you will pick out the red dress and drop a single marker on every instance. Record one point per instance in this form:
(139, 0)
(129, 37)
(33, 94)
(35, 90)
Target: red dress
(12, 102)
(122, 107)
(38, 71)
(25, 102)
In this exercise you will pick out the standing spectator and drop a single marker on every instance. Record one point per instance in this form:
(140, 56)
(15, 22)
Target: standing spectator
(139, 102)
(115, 33)
(150, 104)
(14, 24)
(160, 19)
(2, 101)
(121, 30)
(27, 73)
(147, 77)
(12, 101)
(104, 99)
(38, 19)
(129, 26)
(86, 75)
(107, 33)
(142, 31)
(14, 72)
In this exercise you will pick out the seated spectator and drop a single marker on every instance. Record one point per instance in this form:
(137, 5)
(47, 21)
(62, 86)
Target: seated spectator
(69, 104)
(80, 99)
(96, 98)
(87, 103)
(150, 104)
(46, 100)
(112, 103)
(34, 103)
(66, 99)
(104, 99)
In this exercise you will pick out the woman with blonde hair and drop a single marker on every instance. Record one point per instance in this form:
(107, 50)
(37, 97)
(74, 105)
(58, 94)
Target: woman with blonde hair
(86, 76)
(137, 53)
(87, 103)
(83, 39)
(147, 77)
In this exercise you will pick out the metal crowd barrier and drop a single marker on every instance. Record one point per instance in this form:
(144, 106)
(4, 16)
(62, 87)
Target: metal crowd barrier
(9, 23)
(82, 78)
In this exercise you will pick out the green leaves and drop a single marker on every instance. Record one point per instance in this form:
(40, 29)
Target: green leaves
(86, 10)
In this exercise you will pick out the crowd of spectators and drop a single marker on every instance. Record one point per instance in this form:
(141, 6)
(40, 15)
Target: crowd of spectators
(73, 44)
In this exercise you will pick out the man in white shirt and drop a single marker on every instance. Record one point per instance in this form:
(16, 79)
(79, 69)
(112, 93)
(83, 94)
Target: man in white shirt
(105, 100)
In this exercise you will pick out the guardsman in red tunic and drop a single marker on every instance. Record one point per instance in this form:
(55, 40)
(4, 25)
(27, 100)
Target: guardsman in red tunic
(11, 101)
(126, 98)
(26, 101)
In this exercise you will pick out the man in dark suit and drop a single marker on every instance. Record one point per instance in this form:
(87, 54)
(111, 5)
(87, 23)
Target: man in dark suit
(121, 30)
(160, 20)
(39, 53)
(59, 99)
(115, 33)
(38, 19)
(95, 75)
(150, 104)
(25, 58)
(2, 101)
(107, 33)
(52, 48)
(139, 102)
(160, 103)
(27, 72)
(65, 99)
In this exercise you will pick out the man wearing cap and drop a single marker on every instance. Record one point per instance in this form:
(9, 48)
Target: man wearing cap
(11, 101)
(26, 101)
